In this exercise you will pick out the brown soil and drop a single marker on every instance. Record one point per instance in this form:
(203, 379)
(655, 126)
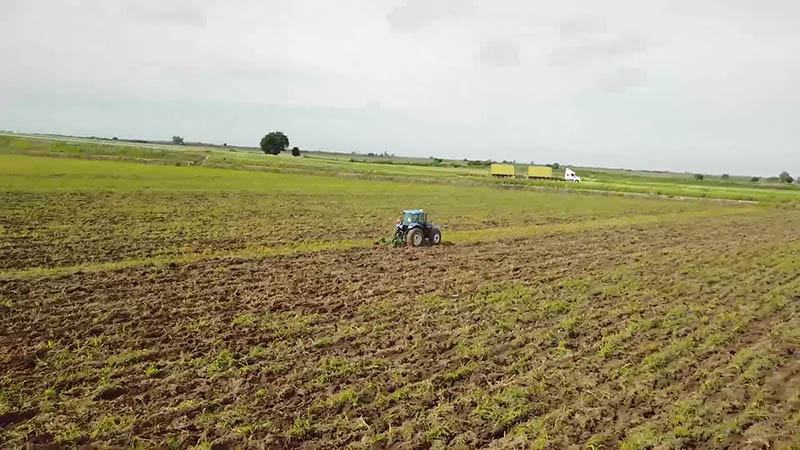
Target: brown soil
(453, 346)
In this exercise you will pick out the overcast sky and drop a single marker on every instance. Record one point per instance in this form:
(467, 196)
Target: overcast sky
(696, 85)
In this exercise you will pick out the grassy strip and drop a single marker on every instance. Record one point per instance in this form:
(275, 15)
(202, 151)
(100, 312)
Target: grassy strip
(488, 234)
(249, 253)
(572, 227)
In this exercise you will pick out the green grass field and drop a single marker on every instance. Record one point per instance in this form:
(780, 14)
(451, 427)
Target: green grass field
(154, 297)
(457, 172)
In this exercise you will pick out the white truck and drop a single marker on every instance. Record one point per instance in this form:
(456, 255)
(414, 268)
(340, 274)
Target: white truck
(570, 176)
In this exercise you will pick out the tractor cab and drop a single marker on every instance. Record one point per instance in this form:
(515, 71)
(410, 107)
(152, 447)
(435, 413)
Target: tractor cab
(414, 229)
(415, 216)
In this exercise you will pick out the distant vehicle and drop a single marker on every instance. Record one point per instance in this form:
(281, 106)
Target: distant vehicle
(502, 170)
(534, 173)
(571, 176)
(414, 229)
(540, 172)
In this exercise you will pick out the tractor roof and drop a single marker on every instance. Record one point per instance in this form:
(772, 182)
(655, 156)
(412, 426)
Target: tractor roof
(413, 211)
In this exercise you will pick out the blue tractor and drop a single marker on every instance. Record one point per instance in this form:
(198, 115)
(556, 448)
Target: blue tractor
(415, 230)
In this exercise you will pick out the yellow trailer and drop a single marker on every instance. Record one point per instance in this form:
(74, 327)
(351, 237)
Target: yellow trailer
(502, 170)
(540, 172)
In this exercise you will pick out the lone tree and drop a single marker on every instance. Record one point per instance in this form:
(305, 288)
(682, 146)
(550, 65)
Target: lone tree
(698, 176)
(274, 143)
(725, 176)
(754, 179)
(295, 151)
(177, 140)
(785, 177)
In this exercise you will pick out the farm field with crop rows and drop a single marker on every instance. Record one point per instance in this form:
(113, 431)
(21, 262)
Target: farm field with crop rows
(158, 306)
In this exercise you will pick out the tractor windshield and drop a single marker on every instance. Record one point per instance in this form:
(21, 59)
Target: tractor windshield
(409, 218)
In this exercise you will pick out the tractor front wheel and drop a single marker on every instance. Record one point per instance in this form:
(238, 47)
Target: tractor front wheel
(436, 237)
(415, 237)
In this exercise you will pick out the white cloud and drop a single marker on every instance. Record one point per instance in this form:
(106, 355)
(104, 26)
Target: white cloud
(411, 15)
(171, 13)
(582, 26)
(500, 53)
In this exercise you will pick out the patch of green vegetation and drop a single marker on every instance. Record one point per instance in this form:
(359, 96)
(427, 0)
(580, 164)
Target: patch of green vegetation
(741, 359)
(110, 424)
(597, 442)
(737, 425)
(71, 433)
(289, 325)
(640, 438)
(676, 318)
(347, 396)
(462, 372)
(473, 350)
(261, 393)
(323, 342)
(610, 345)
(244, 320)
(197, 324)
(249, 430)
(687, 420)
(301, 428)
(221, 363)
(129, 357)
(439, 433)
(351, 397)
(152, 371)
(259, 352)
(11, 396)
(50, 393)
(757, 367)
(670, 353)
(407, 392)
(186, 405)
(506, 407)
(337, 368)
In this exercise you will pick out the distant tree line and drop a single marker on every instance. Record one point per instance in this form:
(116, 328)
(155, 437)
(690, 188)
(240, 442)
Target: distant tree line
(784, 177)
(385, 154)
(477, 162)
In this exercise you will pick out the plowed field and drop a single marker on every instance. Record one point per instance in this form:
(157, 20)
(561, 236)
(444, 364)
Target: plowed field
(651, 328)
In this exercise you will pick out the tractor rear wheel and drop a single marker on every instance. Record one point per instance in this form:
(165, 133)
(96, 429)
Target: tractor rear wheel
(415, 237)
(436, 237)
